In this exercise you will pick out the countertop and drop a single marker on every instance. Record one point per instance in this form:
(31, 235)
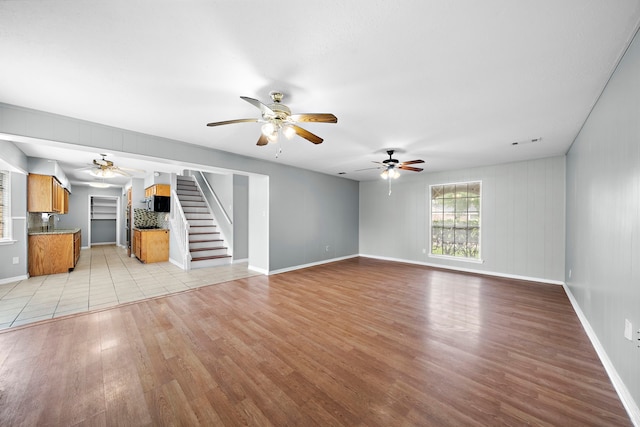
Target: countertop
(59, 231)
(150, 229)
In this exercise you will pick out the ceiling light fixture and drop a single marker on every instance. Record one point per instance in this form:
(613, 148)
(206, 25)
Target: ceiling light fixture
(99, 184)
(102, 173)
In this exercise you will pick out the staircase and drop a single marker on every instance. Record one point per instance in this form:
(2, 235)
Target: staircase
(206, 246)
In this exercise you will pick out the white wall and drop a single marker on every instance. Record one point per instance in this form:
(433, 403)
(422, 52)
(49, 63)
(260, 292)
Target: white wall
(522, 218)
(603, 227)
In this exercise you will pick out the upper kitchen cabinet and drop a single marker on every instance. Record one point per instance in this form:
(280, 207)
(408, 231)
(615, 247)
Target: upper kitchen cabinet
(158, 190)
(46, 194)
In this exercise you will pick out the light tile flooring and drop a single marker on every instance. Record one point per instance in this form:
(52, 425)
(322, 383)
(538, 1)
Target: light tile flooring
(104, 277)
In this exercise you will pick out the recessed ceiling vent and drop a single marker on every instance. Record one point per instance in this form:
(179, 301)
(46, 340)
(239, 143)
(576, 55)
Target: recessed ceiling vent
(527, 141)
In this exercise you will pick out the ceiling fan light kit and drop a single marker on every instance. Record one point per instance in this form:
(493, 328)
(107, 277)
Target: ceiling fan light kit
(276, 118)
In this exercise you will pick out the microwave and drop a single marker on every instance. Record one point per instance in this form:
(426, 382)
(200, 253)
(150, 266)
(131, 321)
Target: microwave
(159, 203)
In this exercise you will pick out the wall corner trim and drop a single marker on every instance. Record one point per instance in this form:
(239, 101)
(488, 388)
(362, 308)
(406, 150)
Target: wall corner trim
(627, 400)
(312, 264)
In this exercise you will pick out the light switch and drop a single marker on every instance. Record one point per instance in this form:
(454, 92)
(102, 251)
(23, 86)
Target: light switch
(628, 330)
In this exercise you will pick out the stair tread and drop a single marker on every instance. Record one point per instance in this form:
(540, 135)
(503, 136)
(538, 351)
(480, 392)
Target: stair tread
(208, 248)
(206, 240)
(210, 257)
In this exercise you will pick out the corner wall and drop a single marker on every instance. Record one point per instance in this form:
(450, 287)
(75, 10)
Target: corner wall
(522, 219)
(603, 222)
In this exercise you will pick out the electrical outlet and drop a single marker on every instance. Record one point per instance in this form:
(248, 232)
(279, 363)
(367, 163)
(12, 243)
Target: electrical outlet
(16, 260)
(326, 248)
(424, 251)
(569, 273)
(628, 330)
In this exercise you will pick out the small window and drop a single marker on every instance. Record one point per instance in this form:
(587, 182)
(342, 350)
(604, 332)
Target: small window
(5, 209)
(455, 220)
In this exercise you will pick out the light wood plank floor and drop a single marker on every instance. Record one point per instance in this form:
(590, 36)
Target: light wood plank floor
(359, 342)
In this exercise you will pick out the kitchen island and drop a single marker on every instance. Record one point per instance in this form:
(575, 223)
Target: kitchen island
(54, 251)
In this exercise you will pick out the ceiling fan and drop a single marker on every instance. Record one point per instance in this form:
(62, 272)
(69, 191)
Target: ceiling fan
(391, 166)
(277, 117)
(103, 168)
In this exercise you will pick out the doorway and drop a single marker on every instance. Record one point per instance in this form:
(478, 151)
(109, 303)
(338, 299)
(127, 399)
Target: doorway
(104, 220)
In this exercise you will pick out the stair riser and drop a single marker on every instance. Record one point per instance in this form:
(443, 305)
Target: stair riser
(198, 216)
(192, 204)
(184, 192)
(194, 209)
(190, 198)
(210, 263)
(207, 244)
(201, 222)
(209, 233)
(211, 252)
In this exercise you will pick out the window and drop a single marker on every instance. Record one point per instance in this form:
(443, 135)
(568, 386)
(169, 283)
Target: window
(5, 209)
(455, 220)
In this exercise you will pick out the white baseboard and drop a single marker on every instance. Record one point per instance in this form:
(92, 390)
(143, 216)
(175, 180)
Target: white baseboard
(312, 264)
(238, 261)
(103, 244)
(468, 270)
(618, 384)
(258, 270)
(13, 279)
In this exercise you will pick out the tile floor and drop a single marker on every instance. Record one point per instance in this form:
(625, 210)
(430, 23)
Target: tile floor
(104, 277)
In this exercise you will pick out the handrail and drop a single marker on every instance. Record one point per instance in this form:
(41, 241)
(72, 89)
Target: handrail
(215, 197)
(182, 229)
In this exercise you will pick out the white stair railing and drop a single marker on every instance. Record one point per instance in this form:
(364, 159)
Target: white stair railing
(181, 226)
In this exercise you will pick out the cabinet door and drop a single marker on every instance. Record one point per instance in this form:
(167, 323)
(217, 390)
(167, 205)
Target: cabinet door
(40, 193)
(77, 241)
(163, 190)
(137, 244)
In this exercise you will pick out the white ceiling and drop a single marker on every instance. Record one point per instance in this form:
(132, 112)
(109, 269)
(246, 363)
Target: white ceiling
(454, 83)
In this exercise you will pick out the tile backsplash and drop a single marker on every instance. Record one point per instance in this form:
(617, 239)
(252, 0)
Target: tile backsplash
(145, 218)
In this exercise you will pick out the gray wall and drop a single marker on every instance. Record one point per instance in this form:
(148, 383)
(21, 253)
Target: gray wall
(522, 223)
(103, 231)
(78, 216)
(308, 211)
(10, 154)
(240, 217)
(603, 211)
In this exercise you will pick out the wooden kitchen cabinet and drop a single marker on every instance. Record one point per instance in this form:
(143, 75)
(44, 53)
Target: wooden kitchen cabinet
(53, 252)
(158, 190)
(151, 245)
(46, 194)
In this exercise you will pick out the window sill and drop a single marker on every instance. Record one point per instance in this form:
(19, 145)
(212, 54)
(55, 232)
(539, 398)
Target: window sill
(455, 258)
(7, 242)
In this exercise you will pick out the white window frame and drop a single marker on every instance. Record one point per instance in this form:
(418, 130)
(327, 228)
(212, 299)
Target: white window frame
(7, 232)
(478, 260)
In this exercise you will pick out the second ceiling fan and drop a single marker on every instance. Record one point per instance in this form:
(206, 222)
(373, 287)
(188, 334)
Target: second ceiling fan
(276, 117)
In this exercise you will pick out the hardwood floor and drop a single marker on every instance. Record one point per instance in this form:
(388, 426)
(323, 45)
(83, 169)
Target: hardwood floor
(360, 342)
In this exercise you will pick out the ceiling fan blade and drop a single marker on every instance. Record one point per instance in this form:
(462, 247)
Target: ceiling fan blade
(409, 168)
(262, 140)
(228, 122)
(366, 169)
(314, 117)
(263, 108)
(411, 162)
(119, 171)
(130, 169)
(307, 135)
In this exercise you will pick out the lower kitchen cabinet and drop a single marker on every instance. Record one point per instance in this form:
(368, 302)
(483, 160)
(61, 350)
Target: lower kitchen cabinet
(151, 245)
(53, 252)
